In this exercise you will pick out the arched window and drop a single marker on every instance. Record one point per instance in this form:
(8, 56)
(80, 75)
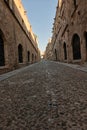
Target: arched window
(76, 47)
(65, 51)
(28, 53)
(20, 53)
(2, 59)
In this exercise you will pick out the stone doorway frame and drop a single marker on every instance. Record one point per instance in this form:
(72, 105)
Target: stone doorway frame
(85, 35)
(2, 50)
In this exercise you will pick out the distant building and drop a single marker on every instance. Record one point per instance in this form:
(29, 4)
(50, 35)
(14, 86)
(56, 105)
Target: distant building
(69, 40)
(48, 52)
(18, 44)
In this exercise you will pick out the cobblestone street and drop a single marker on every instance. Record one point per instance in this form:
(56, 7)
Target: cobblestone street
(44, 96)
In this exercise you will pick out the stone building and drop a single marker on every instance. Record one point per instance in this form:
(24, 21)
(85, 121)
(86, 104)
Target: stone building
(69, 38)
(48, 52)
(18, 44)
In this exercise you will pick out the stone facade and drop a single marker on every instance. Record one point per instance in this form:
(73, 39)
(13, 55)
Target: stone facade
(48, 53)
(18, 44)
(69, 38)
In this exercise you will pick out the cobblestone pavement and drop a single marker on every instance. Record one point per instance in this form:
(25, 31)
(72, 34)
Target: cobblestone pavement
(44, 96)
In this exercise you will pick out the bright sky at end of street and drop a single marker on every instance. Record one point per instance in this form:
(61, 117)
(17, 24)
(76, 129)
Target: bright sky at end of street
(41, 15)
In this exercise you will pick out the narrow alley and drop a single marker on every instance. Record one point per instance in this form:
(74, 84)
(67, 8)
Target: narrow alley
(44, 96)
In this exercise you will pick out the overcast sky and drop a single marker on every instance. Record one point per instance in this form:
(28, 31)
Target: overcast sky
(41, 15)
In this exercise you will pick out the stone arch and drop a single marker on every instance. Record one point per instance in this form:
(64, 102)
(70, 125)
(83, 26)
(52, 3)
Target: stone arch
(56, 54)
(76, 47)
(20, 53)
(2, 58)
(28, 54)
(65, 51)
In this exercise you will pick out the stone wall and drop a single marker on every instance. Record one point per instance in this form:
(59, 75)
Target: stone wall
(48, 51)
(70, 31)
(13, 32)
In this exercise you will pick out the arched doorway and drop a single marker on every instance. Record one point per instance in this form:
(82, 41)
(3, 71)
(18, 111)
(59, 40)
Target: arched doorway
(35, 57)
(32, 57)
(75, 3)
(20, 53)
(2, 59)
(56, 54)
(76, 47)
(65, 51)
(86, 43)
(28, 56)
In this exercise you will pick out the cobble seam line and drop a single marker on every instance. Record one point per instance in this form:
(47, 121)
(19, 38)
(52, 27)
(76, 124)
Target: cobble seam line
(52, 102)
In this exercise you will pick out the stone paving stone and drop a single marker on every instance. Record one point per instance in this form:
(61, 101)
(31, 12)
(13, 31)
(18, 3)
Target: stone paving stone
(44, 96)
